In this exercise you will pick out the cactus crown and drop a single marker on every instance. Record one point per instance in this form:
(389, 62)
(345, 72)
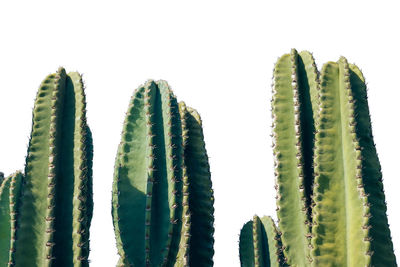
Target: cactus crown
(330, 201)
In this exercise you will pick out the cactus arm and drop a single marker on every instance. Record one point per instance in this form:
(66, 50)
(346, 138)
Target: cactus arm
(340, 216)
(5, 221)
(379, 232)
(292, 108)
(201, 198)
(36, 212)
(146, 193)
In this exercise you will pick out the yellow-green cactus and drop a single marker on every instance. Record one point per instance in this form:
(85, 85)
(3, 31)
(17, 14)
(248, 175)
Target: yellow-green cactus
(331, 206)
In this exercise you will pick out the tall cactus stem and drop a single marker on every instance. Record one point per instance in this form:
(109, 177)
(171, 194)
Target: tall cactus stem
(294, 103)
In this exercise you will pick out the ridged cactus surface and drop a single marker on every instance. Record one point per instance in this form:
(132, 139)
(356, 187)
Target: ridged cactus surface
(162, 195)
(330, 202)
(54, 211)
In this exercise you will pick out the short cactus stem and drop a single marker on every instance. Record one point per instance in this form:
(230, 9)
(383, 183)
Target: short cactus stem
(260, 244)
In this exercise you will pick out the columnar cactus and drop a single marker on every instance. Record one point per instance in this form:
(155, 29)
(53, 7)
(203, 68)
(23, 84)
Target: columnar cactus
(49, 222)
(259, 243)
(9, 196)
(162, 196)
(331, 205)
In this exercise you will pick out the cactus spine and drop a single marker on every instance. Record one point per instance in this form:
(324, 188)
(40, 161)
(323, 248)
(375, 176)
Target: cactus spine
(331, 206)
(162, 196)
(55, 208)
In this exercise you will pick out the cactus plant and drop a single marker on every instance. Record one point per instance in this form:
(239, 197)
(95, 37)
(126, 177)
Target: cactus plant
(49, 221)
(259, 243)
(331, 206)
(9, 197)
(162, 196)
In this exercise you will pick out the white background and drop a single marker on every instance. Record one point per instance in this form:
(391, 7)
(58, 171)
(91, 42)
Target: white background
(218, 57)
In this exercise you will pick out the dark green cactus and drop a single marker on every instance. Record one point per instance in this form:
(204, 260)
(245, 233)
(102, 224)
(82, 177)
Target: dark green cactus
(54, 212)
(260, 243)
(10, 191)
(162, 196)
(331, 205)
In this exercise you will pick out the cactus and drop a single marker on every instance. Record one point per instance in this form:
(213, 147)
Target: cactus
(260, 243)
(9, 196)
(330, 201)
(49, 222)
(162, 201)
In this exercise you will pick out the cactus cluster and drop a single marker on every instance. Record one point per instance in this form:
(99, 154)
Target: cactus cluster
(330, 201)
(162, 201)
(45, 212)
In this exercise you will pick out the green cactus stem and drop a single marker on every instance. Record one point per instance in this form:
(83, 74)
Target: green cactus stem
(294, 102)
(200, 194)
(260, 244)
(10, 191)
(349, 200)
(55, 208)
(331, 205)
(155, 218)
